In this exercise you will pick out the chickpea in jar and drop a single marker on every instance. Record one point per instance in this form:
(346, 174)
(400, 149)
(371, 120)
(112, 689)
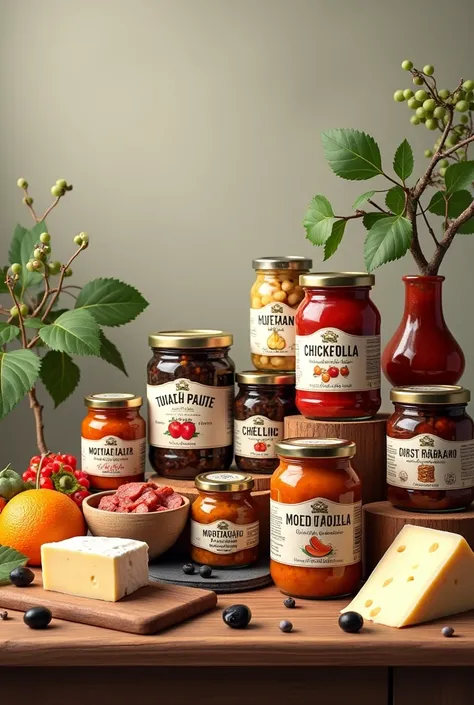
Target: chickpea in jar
(274, 297)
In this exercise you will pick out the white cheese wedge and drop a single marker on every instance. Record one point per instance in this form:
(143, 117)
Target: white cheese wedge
(92, 566)
(425, 574)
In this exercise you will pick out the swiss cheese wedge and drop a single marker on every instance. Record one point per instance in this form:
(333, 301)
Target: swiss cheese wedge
(425, 574)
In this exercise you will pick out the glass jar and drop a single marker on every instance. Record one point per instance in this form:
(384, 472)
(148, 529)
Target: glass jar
(113, 440)
(190, 396)
(260, 407)
(224, 521)
(430, 449)
(338, 347)
(273, 299)
(315, 519)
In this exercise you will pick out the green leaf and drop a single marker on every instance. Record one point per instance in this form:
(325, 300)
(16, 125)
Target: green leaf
(362, 199)
(60, 375)
(459, 176)
(334, 240)
(74, 332)
(9, 560)
(370, 219)
(395, 200)
(352, 154)
(467, 228)
(21, 251)
(318, 220)
(387, 240)
(8, 333)
(111, 302)
(457, 203)
(3, 276)
(403, 162)
(109, 353)
(36, 323)
(19, 370)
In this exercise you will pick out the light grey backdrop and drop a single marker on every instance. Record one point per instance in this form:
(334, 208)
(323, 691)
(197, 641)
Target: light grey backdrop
(190, 130)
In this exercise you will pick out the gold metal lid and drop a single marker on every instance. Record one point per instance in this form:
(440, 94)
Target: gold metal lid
(336, 279)
(177, 339)
(431, 394)
(113, 401)
(315, 448)
(224, 481)
(293, 262)
(256, 377)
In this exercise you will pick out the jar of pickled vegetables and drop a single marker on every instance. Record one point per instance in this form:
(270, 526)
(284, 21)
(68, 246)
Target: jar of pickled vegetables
(273, 299)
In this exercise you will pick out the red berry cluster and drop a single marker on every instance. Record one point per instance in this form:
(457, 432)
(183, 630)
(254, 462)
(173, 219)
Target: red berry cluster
(58, 472)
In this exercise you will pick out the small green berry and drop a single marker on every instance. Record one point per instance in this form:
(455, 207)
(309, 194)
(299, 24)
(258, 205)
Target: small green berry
(421, 112)
(28, 201)
(16, 268)
(460, 95)
(22, 183)
(414, 120)
(428, 153)
(29, 266)
(407, 65)
(442, 171)
(14, 311)
(418, 81)
(444, 94)
(398, 96)
(38, 254)
(68, 272)
(23, 309)
(45, 238)
(459, 129)
(461, 153)
(408, 93)
(421, 95)
(85, 237)
(446, 119)
(78, 240)
(54, 267)
(452, 140)
(428, 70)
(439, 112)
(429, 105)
(462, 106)
(468, 85)
(413, 103)
(431, 124)
(62, 183)
(57, 191)
(469, 95)
(37, 265)
(464, 119)
(443, 163)
(46, 249)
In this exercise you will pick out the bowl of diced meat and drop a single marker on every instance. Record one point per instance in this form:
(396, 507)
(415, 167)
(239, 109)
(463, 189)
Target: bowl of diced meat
(144, 511)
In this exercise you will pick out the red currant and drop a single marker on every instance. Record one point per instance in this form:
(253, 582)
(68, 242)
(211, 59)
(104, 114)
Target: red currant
(71, 460)
(79, 496)
(67, 468)
(80, 475)
(47, 471)
(46, 483)
(35, 460)
(84, 482)
(28, 475)
(56, 466)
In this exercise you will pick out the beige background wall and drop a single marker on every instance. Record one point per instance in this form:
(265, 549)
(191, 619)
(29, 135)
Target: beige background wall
(190, 130)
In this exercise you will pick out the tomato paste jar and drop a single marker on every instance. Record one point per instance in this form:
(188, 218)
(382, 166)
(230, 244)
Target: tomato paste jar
(224, 520)
(113, 440)
(315, 519)
(260, 407)
(338, 347)
(430, 449)
(190, 397)
(274, 297)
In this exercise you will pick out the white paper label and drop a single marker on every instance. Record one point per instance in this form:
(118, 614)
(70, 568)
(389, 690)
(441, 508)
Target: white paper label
(272, 330)
(256, 437)
(427, 462)
(315, 533)
(224, 537)
(183, 415)
(113, 457)
(330, 360)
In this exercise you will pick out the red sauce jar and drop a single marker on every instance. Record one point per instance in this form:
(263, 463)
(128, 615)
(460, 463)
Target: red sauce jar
(337, 347)
(430, 449)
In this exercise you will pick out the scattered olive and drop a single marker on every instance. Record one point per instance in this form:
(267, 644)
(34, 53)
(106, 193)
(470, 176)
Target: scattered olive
(447, 631)
(3, 614)
(285, 625)
(289, 602)
(22, 577)
(37, 617)
(205, 571)
(351, 622)
(237, 616)
(189, 568)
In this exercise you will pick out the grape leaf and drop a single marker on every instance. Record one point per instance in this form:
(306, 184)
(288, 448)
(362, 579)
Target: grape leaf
(9, 560)
(362, 199)
(33, 323)
(19, 370)
(111, 302)
(334, 240)
(370, 219)
(109, 353)
(403, 162)
(457, 203)
(352, 154)
(74, 332)
(8, 333)
(21, 251)
(319, 220)
(459, 176)
(388, 239)
(60, 375)
(395, 200)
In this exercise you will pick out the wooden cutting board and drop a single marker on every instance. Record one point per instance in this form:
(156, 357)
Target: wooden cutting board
(149, 610)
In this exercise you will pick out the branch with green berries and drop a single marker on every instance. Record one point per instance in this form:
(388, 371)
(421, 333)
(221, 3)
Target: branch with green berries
(41, 336)
(393, 230)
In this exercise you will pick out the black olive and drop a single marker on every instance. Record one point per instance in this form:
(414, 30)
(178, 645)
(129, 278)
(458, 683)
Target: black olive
(237, 616)
(351, 622)
(289, 602)
(205, 571)
(37, 617)
(22, 577)
(447, 631)
(285, 625)
(188, 568)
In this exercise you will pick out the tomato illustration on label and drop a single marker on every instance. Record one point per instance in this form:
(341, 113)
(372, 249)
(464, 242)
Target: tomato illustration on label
(188, 430)
(260, 447)
(174, 429)
(333, 372)
(345, 371)
(317, 549)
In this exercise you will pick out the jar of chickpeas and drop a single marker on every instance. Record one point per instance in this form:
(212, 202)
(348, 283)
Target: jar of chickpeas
(274, 297)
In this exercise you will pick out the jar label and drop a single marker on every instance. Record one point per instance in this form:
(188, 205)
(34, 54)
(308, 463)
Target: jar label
(111, 456)
(315, 533)
(428, 462)
(183, 415)
(256, 436)
(330, 360)
(224, 537)
(272, 330)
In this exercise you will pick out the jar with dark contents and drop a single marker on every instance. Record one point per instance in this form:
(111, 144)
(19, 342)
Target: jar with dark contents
(190, 395)
(260, 407)
(430, 449)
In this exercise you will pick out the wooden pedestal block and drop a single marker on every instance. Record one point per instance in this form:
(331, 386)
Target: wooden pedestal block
(369, 437)
(382, 523)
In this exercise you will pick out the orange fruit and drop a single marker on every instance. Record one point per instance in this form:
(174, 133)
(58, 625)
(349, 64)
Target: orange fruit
(35, 517)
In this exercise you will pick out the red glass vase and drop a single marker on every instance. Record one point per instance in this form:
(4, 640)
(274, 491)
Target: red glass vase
(423, 349)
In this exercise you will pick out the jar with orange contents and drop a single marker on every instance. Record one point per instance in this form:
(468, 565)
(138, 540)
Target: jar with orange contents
(224, 520)
(113, 442)
(315, 519)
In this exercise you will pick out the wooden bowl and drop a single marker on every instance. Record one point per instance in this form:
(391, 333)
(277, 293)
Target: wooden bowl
(160, 530)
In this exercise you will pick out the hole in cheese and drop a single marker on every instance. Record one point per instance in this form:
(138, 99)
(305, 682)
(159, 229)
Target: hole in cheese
(410, 578)
(375, 611)
(434, 547)
(93, 580)
(387, 582)
(368, 603)
(400, 549)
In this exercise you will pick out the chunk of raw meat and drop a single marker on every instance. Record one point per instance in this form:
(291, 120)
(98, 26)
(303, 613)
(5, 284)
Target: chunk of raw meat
(140, 509)
(108, 504)
(132, 490)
